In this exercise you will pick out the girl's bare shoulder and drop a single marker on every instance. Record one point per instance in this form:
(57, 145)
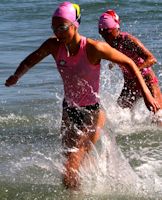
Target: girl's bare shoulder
(96, 44)
(51, 45)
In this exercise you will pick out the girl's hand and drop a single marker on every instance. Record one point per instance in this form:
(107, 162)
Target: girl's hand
(152, 104)
(12, 80)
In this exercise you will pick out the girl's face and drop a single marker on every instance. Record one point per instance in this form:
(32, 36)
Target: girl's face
(63, 29)
(109, 34)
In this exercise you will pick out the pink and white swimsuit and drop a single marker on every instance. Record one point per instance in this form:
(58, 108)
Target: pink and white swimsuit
(80, 77)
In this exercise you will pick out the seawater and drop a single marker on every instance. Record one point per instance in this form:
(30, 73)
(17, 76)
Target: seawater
(127, 161)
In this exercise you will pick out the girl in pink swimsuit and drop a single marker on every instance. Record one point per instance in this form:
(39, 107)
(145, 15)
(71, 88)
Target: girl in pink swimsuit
(109, 28)
(78, 61)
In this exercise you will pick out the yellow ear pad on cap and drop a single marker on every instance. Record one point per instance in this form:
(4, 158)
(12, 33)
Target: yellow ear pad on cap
(77, 8)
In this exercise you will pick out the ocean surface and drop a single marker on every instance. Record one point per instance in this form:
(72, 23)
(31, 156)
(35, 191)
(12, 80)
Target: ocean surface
(126, 164)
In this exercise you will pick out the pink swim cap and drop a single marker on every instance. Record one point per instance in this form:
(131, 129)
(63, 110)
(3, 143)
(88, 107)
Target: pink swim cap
(109, 20)
(68, 11)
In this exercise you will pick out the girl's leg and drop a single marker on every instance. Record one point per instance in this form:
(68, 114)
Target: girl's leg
(130, 94)
(78, 145)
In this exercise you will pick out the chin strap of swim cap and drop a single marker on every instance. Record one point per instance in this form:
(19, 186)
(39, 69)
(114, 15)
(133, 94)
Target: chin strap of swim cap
(78, 13)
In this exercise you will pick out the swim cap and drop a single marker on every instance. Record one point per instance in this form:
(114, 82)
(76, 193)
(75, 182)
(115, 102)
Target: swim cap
(69, 11)
(109, 20)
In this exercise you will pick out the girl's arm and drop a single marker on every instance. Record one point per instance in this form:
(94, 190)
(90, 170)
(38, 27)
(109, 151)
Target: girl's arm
(143, 52)
(102, 50)
(31, 60)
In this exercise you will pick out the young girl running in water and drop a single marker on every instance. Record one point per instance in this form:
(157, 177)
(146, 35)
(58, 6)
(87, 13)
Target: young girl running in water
(109, 28)
(78, 61)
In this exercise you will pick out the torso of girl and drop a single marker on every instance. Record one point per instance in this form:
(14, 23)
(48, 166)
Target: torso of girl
(80, 77)
(125, 45)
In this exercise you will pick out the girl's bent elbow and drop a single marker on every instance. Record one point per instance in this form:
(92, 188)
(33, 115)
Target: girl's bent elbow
(154, 60)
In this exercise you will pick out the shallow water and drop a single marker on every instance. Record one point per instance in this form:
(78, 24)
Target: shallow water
(127, 161)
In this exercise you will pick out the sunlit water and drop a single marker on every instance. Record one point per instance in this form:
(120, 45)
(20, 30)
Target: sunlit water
(127, 161)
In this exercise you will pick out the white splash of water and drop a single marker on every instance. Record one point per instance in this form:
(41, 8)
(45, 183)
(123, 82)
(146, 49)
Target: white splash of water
(107, 171)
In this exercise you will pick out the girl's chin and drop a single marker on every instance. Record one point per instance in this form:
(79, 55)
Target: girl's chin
(64, 40)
